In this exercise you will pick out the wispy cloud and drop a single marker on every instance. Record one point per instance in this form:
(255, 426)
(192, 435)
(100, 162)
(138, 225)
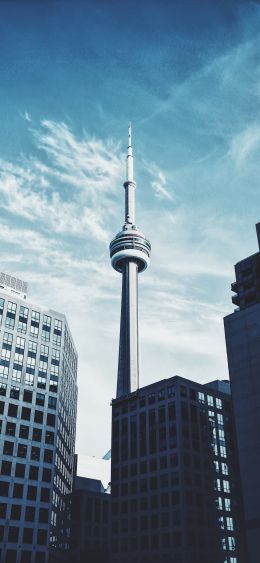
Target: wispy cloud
(70, 189)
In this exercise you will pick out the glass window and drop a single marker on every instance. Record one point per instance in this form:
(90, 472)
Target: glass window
(38, 417)
(12, 410)
(226, 486)
(35, 320)
(22, 450)
(7, 340)
(171, 391)
(218, 403)
(18, 490)
(4, 370)
(29, 378)
(37, 434)
(44, 352)
(24, 431)
(40, 399)
(219, 503)
(35, 453)
(20, 470)
(17, 373)
(26, 413)
(32, 349)
(29, 513)
(6, 467)
(16, 512)
(52, 402)
(3, 389)
(227, 504)
(14, 392)
(201, 397)
(10, 428)
(27, 396)
(28, 535)
(23, 319)
(41, 382)
(231, 544)
(10, 315)
(31, 492)
(13, 535)
(2, 302)
(230, 524)
(210, 400)
(224, 468)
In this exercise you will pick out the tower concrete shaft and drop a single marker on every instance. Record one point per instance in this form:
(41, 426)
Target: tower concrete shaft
(129, 252)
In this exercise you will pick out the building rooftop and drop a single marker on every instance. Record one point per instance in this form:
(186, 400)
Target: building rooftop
(13, 285)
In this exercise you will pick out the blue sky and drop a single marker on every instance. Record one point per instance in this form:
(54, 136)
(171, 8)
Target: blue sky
(186, 74)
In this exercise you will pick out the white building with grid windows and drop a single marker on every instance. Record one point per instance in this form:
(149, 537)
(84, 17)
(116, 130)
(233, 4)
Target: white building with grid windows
(38, 401)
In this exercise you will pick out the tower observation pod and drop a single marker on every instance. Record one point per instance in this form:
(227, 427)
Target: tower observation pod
(129, 253)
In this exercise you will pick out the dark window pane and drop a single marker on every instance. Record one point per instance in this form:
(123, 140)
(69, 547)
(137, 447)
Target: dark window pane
(29, 513)
(18, 491)
(35, 453)
(6, 467)
(43, 515)
(26, 557)
(51, 419)
(12, 410)
(48, 456)
(37, 434)
(13, 533)
(16, 512)
(38, 417)
(8, 448)
(3, 507)
(31, 492)
(20, 470)
(28, 535)
(33, 472)
(10, 428)
(45, 494)
(4, 488)
(24, 431)
(42, 537)
(27, 396)
(46, 475)
(22, 450)
(26, 413)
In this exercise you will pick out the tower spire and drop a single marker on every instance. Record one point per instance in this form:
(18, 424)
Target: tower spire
(129, 158)
(129, 252)
(129, 184)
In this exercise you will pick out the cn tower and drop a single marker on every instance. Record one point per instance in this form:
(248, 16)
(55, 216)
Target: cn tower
(129, 253)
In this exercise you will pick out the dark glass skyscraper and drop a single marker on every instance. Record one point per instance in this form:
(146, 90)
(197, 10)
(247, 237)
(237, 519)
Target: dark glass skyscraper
(242, 329)
(175, 485)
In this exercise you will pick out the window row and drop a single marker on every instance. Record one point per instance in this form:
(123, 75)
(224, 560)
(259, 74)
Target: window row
(27, 535)
(25, 414)
(30, 514)
(19, 490)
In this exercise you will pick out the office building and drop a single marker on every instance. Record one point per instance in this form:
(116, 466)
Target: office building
(175, 483)
(242, 330)
(38, 387)
(90, 521)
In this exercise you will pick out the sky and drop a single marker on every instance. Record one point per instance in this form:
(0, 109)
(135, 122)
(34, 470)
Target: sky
(187, 75)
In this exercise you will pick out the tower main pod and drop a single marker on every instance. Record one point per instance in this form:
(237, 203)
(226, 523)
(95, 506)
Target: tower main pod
(129, 253)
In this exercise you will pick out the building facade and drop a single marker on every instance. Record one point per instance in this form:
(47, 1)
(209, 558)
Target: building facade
(38, 401)
(174, 478)
(90, 524)
(242, 330)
